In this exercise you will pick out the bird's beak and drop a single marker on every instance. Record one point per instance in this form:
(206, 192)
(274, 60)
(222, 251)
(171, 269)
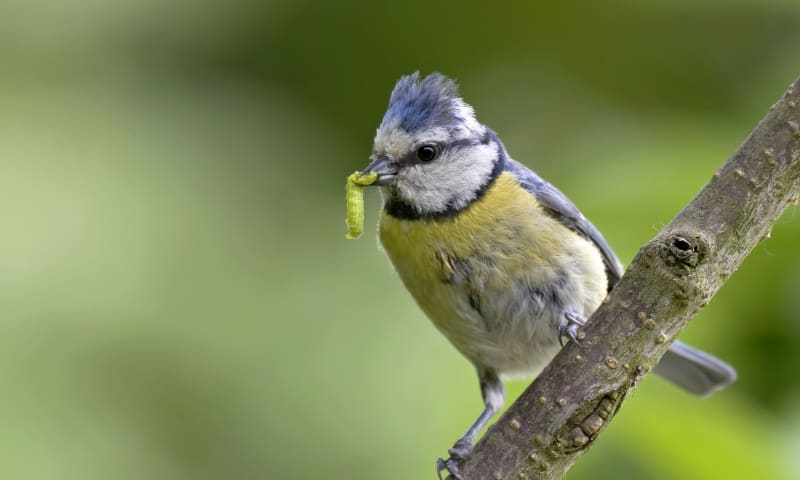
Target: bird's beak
(385, 170)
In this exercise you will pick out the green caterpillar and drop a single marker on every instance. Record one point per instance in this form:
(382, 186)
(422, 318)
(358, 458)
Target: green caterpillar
(354, 195)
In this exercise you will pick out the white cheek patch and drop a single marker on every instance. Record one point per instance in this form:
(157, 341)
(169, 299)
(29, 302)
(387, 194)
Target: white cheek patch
(451, 181)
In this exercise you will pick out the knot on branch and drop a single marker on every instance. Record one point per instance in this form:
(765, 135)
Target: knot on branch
(684, 251)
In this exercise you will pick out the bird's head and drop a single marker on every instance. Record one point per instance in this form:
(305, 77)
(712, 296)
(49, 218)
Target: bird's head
(431, 155)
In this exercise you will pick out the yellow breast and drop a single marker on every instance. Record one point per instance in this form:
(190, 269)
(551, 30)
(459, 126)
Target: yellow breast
(470, 272)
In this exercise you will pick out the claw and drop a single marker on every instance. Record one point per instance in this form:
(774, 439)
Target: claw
(570, 328)
(458, 453)
(448, 465)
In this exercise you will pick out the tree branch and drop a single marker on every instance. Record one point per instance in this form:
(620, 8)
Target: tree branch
(672, 277)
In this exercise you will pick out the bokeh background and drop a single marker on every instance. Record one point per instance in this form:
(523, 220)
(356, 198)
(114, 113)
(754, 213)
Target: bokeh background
(179, 301)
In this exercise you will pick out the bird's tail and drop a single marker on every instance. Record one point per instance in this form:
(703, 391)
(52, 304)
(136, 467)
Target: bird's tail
(694, 370)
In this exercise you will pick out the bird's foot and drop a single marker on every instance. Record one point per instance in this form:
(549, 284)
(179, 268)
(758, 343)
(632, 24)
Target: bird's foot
(569, 328)
(448, 465)
(459, 453)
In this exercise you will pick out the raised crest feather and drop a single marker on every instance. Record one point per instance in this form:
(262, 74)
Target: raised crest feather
(420, 103)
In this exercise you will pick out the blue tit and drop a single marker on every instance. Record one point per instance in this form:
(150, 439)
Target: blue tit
(502, 262)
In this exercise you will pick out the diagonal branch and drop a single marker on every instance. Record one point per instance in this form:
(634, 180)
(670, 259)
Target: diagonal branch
(672, 277)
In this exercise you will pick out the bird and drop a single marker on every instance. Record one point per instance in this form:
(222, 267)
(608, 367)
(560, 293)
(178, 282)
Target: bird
(500, 260)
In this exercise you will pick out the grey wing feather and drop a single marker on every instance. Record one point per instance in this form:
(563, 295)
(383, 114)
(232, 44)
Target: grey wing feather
(560, 207)
(686, 367)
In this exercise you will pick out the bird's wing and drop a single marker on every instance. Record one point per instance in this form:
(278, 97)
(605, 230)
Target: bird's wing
(560, 207)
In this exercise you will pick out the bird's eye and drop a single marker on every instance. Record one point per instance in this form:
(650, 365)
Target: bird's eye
(427, 153)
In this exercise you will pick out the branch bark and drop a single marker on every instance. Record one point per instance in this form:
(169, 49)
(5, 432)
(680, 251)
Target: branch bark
(675, 275)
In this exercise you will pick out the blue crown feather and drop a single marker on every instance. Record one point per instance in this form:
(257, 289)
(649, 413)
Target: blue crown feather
(419, 104)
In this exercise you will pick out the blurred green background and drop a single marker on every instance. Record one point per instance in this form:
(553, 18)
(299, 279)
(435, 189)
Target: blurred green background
(179, 301)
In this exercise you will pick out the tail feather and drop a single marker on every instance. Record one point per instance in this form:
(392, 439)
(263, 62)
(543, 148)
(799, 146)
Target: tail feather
(694, 370)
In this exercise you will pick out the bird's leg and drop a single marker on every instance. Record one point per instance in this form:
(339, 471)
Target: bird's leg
(569, 327)
(494, 395)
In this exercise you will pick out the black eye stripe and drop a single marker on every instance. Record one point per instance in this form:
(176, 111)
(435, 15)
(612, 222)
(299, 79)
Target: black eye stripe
(412, 157)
